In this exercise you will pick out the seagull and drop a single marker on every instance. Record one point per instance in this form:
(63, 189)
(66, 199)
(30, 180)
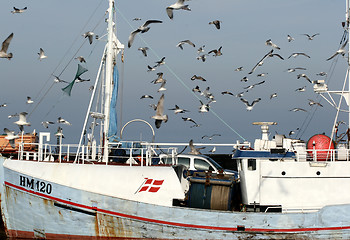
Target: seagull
(204, 107)
(292, 132)
(196, 89)
(216, 52)
(176, 6)
(5, 46)
(29, 100)
(58, 80)
(312, 102)
(59, 132)
(255, 84)
(162, 87)
(143, 50)
(250, 105)
(239, 69)
(46, 123)
(304, 76)
(11, 137)
(136, 19)
(91, 88)
(290, 38)
(153, 106)
(160, 78)
(142, 29)
(297, 110)
(294, 69)
(80, 59)
(183, 42)
(261, 62)
(273, 95)
(302, 89)
(3, 105)
(298, 54)
(194, 150)
(202, 57)
(216, 23)
(321, 74)
(18, 10)
(244, 79)
(146, 96)
(312, 36)
(90, 35)
(13, 115)
(160, 117)
(150, 69)
(194, 77)
(200, 49)
(261, 74)
(187, 119)
(227, 92)
(41, 54)
(62, 121)
(160, 62)
(177, 109)
(340, 51)
(22, 121)
(270, 43)
(211, 136)
(78, 80)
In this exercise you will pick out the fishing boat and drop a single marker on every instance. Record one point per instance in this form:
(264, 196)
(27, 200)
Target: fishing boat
(283, 188)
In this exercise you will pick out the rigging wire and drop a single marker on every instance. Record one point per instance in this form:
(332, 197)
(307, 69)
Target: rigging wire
(179, 79)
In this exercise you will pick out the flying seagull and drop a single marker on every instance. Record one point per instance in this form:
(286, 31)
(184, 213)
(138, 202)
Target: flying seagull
(90, 36)
(239, 69)
(18, 10)
(183, 42)
(160, 117)
(312, 102)
(63, 121)
(11, 137)
(298, 54)
(143, 50)
(302, 89)
(250, 106)
(188, 119)
(58, 80)
(261, 62)
(304, 76)
(22, 121)
(321, 74)
(200, 49)
(176, 6)
(46, 124)
(216, 52)
(270, 43)
(160, 62)
(227, 92)
(5, 46)
(211, 136)
(177, 109)
(159, 79)
(146, 96)
(29, 100)
(312, 36)
(41, 54)
(194, 77)
(80, 59)
(162, 87)
(3, 105)
(216, 23)
(136, 19)
(273, 95)
(142, 29)
(150, 69)
(340, 51)
(297, 110)
(202, 57)
(203, 107)
(290, 38)
(294, 69)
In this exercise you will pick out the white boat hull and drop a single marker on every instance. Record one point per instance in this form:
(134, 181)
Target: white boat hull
(67, 212)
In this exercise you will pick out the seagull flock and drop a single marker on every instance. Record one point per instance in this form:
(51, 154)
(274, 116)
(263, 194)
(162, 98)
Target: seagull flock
(204, 94)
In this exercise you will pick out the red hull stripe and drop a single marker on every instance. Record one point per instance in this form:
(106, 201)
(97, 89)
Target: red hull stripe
(118, 214)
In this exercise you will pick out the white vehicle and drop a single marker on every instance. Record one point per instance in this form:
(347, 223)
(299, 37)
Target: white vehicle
(195, 163)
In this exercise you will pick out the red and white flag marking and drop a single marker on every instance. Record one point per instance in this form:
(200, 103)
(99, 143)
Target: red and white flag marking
(150, 185)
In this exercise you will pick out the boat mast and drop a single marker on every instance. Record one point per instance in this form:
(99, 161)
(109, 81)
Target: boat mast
(347, 29)
(108, 78)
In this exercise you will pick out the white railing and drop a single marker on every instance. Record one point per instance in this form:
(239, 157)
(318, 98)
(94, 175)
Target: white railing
(323, 155)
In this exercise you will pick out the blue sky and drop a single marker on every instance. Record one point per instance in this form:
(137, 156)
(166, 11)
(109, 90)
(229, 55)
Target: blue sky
(57, 26)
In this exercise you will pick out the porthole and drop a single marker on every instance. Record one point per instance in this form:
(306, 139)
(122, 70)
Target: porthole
(318, 173)
(283, 173)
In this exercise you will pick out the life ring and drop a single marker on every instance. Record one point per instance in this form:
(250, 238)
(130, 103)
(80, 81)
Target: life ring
(139, 159)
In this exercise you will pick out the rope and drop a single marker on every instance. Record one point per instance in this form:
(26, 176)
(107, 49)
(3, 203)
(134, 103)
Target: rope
(178, 78)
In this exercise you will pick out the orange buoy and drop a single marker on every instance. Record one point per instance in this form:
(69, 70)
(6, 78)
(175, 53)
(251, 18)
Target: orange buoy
(317, 143)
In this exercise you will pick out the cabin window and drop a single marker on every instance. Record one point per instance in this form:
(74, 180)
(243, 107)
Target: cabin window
(184, 161)
(200, 164)
(252, 164)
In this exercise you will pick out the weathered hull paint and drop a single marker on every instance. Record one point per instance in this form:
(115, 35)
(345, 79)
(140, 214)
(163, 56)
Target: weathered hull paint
(70, 213)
